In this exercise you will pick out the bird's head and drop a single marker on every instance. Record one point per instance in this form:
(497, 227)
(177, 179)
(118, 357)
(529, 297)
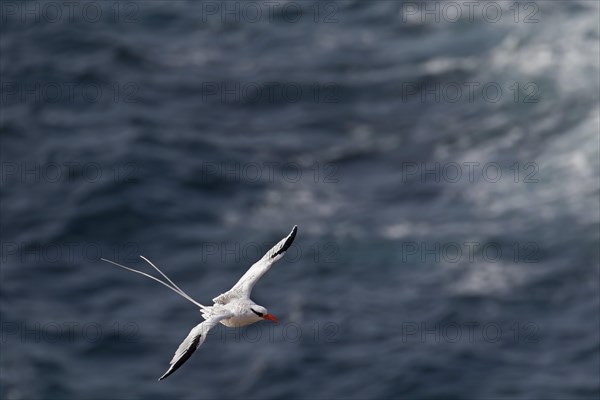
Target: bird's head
(261, 313)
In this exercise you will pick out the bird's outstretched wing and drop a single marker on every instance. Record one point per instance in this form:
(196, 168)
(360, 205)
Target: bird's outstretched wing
(243, 287)
(193, 340)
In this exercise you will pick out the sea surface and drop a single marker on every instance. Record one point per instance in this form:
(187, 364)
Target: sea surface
(441, 163)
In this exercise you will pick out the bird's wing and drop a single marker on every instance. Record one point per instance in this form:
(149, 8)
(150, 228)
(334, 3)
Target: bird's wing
(244, 286)
(193, 340)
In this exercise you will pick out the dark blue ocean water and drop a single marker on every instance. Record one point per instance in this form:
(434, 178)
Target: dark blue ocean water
(442, 169)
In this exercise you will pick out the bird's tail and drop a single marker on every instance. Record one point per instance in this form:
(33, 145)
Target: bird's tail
(172, 285)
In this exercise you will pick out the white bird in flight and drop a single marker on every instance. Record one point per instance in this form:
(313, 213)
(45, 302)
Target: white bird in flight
(232, 308)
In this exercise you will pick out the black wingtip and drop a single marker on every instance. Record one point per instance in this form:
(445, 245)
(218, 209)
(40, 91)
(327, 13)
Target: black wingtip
(288, 242)
(188, 353)
(290, 239)
(165, 375)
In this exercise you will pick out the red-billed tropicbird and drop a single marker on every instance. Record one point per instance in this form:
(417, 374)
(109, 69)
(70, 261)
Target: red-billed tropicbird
(232, 308)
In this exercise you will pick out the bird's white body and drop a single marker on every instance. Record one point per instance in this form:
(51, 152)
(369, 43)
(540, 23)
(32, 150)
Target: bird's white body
(232, 308)
(238, 308)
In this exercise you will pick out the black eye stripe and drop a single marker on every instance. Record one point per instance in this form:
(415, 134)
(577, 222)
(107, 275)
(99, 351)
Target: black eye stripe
(257, 313)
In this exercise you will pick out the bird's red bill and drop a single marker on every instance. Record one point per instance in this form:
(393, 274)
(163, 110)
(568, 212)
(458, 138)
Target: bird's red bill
(271, 317)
